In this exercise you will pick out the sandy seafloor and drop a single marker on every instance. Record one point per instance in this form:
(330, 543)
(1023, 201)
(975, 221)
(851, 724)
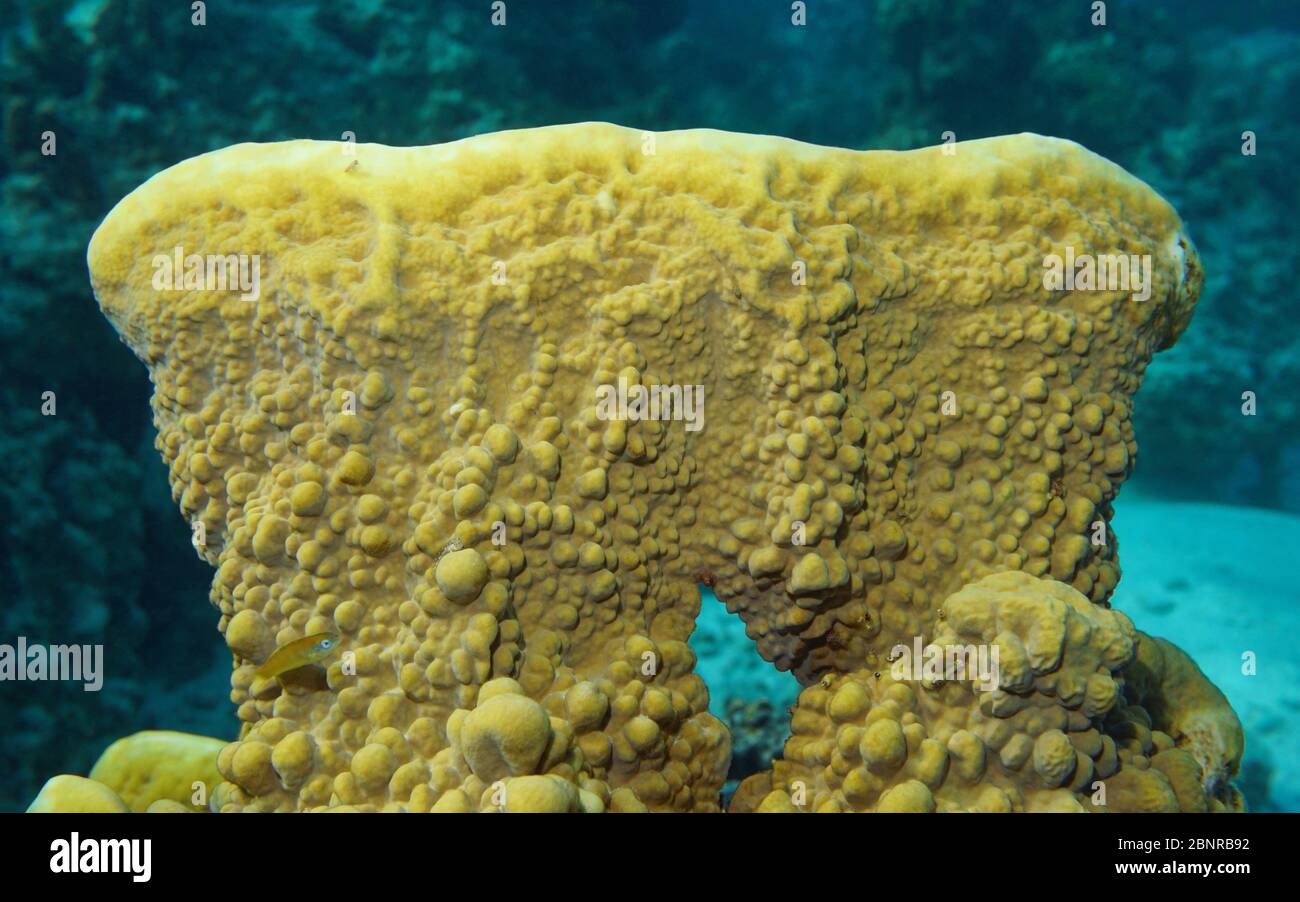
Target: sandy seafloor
(1216, 581)
(1213, 579)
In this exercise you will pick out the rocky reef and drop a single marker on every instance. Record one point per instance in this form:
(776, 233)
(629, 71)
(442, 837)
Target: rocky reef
(903, 434)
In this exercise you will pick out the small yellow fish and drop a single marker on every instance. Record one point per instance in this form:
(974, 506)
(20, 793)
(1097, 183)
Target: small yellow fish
(298, 653)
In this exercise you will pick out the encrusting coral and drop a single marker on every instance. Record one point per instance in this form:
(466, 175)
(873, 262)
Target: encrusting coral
(394, 437)
(158, 766)
(1057, 734)
(68, 793)
(154, 770)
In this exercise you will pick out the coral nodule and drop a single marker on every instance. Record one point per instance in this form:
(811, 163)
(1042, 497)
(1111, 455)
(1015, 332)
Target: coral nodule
(391, 433)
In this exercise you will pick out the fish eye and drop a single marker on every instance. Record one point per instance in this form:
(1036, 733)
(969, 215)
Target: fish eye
(327, 643)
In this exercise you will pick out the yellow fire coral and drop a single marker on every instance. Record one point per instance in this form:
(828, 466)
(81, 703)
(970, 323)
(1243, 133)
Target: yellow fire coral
(160, 765)
(70, 794)
(376, 380)
(154, 770)
(1054, 735)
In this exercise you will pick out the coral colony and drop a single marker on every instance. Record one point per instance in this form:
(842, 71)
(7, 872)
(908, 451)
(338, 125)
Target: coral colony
(914, 438)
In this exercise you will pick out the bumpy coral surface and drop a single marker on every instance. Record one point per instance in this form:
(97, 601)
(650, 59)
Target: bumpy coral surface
(1057, 734)
(70, 794)
(160, 767)
(398, 441)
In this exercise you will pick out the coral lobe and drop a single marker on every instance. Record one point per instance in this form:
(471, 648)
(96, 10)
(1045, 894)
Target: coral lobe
(906, 435)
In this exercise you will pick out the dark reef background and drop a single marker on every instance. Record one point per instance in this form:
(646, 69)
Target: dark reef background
(92, 547)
